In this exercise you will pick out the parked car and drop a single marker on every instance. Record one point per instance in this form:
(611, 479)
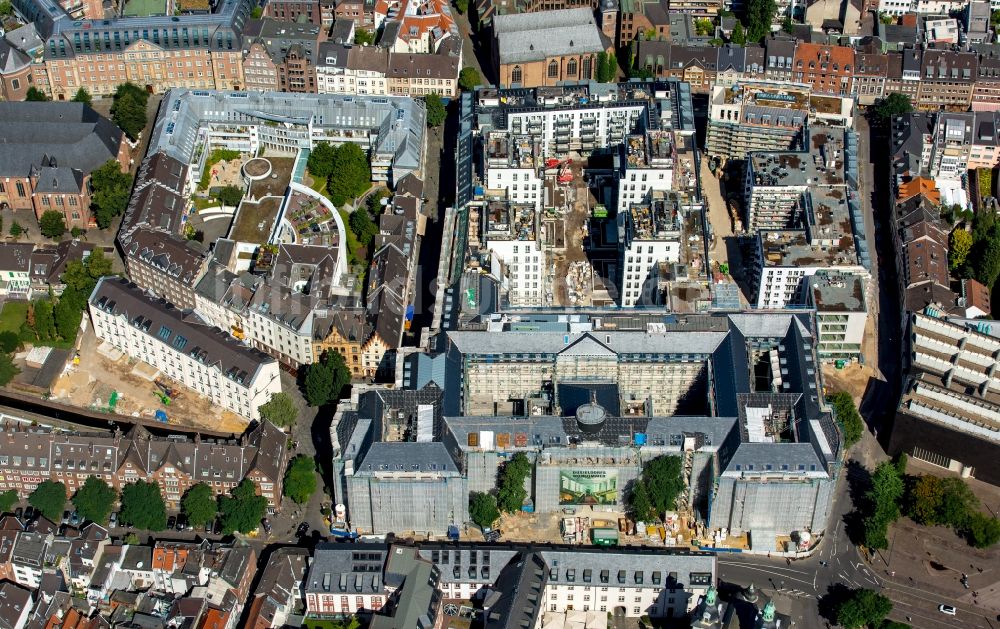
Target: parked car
(267, 525)
(217, 527)
(19, 513)
(171, 522)
(65, 518)
(29, 513)
(114, 519)
(303, 530)
(947, 609)
(181, 523)
(74, 518)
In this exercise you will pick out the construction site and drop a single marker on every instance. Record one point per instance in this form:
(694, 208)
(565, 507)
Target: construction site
(139, 390)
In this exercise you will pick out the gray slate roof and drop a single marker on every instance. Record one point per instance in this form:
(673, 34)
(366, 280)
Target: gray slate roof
(524, 37)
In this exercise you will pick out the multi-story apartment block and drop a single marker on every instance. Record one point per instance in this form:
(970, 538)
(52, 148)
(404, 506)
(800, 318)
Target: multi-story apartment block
(416, 26)
(827, 69)
(780, 53)
(510, 234)
(292, 50)
(986, 93)
(647, 165)
(512, 166)
(841, 305)
(649, 238)
(755, 116)
(315, 12)
(50, 151)
(199, 357)
(805, 212)
(551, 580)
(985, 149)
(951, 145)
(949, 412)
(870, 74)
(904, 73)
(947, 80)
(345, 331)
(174, 464)
(28, 557)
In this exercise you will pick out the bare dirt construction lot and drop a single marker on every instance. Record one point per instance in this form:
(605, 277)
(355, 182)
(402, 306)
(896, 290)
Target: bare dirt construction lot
(853, 379)
(91, 383)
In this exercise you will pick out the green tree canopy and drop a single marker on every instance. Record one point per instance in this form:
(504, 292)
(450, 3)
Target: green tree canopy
(279, 410)
(462, 6)
(7, 369)
(300, 479)
(739, 36)
(848, 418)
(230, 195)
(664, 481)
(759, 15)
(9, 341)
(111, 188)
(67, 315)
(982, 530)
(469, 79)
(142, 506)
(94, 500)
(960, 246)
(895, 104)
(256, 13)
(363, 227)
(15, 229)
(325, 379)
(511, 495)
(884, 499)
(35, 94)
(320, 163)
(52, 224)
(8, 499)
(129, 109)
(923, 500)
(83, 96)
(436, 112)
(640, 506)
(50, 499)
(199, 505)
(863, 608)
(243, 510)
(364, 37)
(483, 509)
(351, 174)
(6, 8)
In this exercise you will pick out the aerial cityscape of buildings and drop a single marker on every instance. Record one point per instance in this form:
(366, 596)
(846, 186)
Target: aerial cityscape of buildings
(505, 314)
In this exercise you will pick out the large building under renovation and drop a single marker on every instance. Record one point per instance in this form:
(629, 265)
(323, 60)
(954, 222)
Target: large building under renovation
(591, 399)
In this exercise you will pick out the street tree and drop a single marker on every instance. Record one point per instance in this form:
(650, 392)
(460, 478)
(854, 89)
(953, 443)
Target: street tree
(83, 96)
(49, 498)
(923, 500)
(848, 418)
(982, 530)
(895, 104)
(94, 500)
(243, 510)
(300, 479)
(862, 608)
(15, 230)
(199, 505)
(436, 112)
(469, 79)
(280, 410)
(483, 509)
(143, 507)
(325, 379)
(52, 224)
(8, 499)
(883, 499)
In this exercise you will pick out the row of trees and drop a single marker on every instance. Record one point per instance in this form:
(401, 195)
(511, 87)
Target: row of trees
(607, 68)
(142, 505)
(848, 417)
(927, 500)
(57, 319)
